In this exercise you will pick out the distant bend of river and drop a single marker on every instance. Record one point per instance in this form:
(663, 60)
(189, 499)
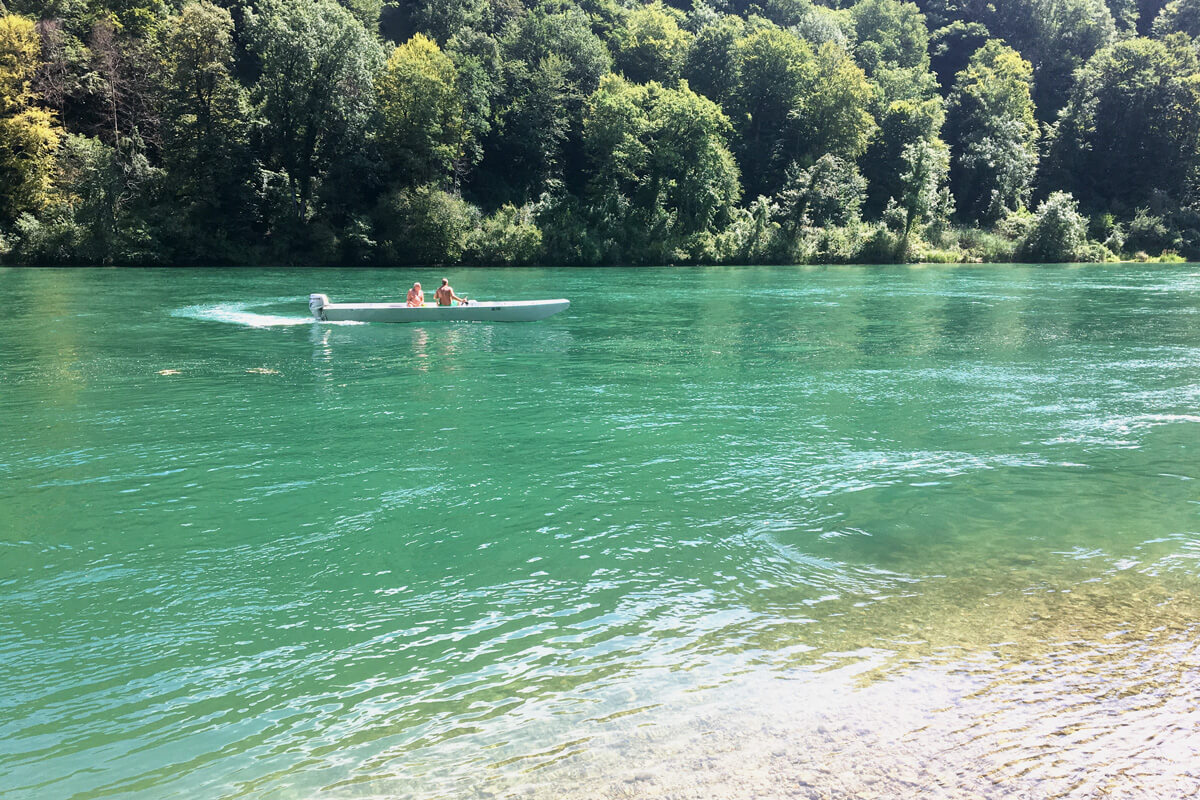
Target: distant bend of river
(787, 532)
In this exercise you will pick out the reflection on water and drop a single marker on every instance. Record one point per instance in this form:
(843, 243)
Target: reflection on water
(806, 533)
(1069, 692)
(1049, 725)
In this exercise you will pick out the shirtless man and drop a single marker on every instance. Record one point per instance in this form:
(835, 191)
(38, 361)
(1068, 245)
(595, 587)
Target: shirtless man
(416, 298)
(446, 296)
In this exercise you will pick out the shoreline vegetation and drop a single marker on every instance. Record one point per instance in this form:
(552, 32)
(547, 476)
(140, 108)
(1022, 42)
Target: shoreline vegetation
(597, 132)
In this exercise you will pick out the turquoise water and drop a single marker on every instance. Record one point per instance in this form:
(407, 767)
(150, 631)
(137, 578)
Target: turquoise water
(706, 531)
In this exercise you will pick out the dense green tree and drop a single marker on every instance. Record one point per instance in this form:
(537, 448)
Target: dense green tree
(423, 128)
(940, 13)
(566, 235)
(1132, 127)
(890, 35)
(893, 48)
(527, 146)
(438, 19)
(820, 24)
(205, 132)
(103, 218)
(832, 114)
(1056, 37)
(902, 124)
(776, 69)
(663, 176)
(991, 129)
(651, 46)
(423, 226)
(910, 84)
(830, 192)
(712, 64)
(316, 90)
(477, 62)
(1149, 233)
(924, 197)
(566, 33)
(367, 11)
(815, 23)
(1178, 16)
(204, 106)
(1058, 232)
(509, 236)
(593, 131)
(784, 13)
(1125, 15)
(553, 62)
(754, 236)
(691, 159)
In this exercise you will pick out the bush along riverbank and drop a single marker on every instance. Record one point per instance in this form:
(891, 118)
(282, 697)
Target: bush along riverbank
(592, 132)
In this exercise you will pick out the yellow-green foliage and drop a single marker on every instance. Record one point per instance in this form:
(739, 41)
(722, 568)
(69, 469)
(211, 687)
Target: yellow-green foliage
(934, 255)
(998, 80)
(652, 46)
(422, 109)
(28, 134)
(836, 109)
(1166, 257)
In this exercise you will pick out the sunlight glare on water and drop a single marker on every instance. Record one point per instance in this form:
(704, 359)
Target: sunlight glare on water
(787, 532)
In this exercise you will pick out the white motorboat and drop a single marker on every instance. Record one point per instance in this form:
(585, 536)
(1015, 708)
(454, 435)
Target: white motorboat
(473, 311)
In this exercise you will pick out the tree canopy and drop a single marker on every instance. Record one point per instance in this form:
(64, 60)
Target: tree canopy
(1132, 121)
(28, 133)
(992, 132)
(596, 131)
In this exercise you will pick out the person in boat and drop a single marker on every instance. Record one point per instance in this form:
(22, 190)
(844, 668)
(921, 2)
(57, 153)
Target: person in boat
(416, 298)
(445, 295)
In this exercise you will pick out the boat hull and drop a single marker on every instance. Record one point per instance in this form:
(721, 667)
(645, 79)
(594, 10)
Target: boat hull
(476, 311)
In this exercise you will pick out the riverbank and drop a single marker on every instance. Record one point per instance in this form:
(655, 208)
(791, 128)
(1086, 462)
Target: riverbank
(1023, 238)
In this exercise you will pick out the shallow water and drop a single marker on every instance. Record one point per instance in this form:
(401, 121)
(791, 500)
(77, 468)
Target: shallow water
(731, 532)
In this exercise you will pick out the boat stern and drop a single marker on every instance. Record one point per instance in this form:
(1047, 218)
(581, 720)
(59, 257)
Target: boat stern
(316, 304)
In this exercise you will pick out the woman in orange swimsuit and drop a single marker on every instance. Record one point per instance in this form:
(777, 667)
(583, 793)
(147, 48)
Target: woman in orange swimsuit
(416, 298)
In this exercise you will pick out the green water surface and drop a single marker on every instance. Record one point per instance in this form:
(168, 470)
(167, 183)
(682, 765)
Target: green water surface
(243, 554)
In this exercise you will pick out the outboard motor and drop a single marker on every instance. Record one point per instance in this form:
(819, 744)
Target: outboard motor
(316, 304)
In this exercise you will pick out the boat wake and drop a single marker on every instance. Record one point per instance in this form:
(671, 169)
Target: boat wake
(241, 314)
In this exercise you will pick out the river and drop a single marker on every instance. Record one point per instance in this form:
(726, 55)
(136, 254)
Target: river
(787, 532)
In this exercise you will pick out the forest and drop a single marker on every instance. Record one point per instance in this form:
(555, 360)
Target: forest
(597, 132)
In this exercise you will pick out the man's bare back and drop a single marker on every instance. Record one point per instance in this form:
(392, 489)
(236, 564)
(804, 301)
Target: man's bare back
(446, 296)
